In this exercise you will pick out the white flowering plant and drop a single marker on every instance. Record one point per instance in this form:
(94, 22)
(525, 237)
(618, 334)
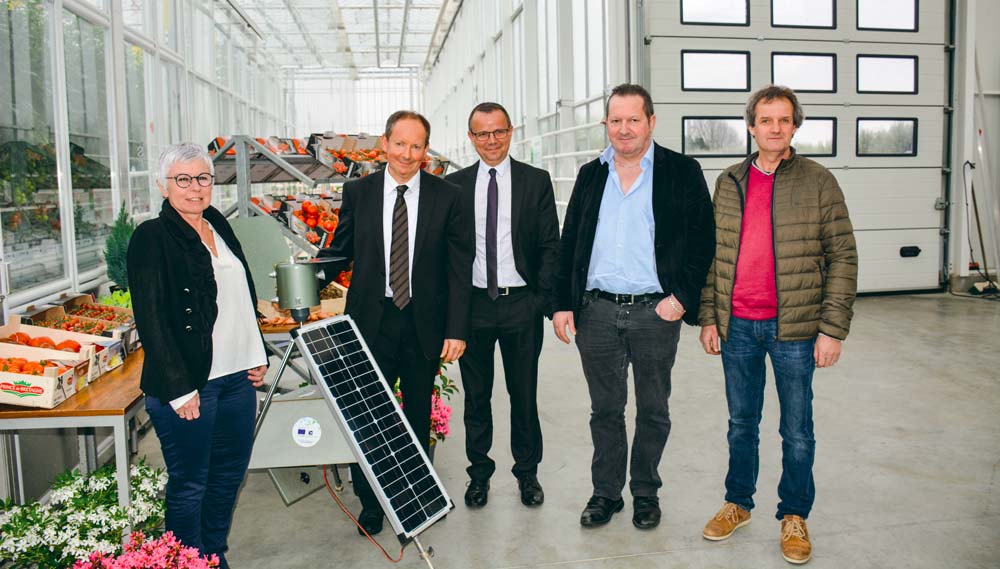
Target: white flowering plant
(81, 517)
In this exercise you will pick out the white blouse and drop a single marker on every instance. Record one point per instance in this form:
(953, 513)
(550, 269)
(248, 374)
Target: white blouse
(236, 343)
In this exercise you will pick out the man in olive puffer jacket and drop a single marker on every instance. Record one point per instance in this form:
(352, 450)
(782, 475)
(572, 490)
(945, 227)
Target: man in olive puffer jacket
(782, 284)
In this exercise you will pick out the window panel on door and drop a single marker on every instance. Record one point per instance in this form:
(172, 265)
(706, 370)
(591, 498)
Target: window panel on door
(887, 137)
(887, 74)
(706, 70)
(716, 12)
(805, 72)
(715, 136)
(803, 13)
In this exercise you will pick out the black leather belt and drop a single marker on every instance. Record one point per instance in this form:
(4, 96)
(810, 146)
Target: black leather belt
(627, 298)
(504, 290)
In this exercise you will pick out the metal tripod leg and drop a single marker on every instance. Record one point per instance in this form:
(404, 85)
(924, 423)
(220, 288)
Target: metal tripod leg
(425, 554)
(273, 387)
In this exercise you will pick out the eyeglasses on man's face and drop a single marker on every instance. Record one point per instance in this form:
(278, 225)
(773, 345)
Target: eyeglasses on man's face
(183, 181)
(499, 134)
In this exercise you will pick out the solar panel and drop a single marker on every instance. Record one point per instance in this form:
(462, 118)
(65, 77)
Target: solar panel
(387, 451)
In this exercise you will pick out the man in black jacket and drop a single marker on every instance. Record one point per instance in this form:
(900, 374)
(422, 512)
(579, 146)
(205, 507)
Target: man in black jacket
(637, 241)
(411, 243)
(517, 242)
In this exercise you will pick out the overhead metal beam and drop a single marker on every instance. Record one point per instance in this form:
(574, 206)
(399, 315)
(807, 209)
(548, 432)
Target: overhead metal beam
(246, 19)
(337, 24)
(281, 39)
(402, 32)
(305, 32)
(378, 49)
(442, 29)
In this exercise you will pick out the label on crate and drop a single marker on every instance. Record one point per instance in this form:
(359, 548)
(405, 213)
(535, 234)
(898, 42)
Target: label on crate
(21, 389)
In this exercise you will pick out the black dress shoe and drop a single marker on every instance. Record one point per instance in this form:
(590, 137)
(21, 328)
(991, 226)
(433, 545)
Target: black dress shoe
(371, 521)
(599, 511)
(531, 491)
(477, 493)
(646, 514)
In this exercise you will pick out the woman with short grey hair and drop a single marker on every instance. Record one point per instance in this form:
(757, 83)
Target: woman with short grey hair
(195, 309)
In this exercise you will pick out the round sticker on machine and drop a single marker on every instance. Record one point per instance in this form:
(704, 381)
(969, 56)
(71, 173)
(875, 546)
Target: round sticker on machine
(306, 432)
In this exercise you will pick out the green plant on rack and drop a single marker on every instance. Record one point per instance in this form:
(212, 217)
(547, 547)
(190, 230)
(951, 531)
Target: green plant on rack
(116, 248)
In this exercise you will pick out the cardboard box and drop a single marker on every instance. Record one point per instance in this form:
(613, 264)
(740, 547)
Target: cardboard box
(126, 335)
(129, 334)
(338, 304)
(110, 355)
(42, 391)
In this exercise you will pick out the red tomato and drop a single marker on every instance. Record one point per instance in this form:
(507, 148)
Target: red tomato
(68, 346)
(20, 338)
(311, 222)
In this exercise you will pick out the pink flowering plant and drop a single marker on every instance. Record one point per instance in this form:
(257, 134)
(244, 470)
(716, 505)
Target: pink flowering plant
(166, 552)
(444, 388)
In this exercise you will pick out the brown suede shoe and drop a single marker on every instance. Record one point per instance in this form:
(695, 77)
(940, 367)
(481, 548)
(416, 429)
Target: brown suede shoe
(795, 546)
(728, 520)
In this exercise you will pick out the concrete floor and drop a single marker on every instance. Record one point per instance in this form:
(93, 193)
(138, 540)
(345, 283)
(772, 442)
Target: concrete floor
(908, 452)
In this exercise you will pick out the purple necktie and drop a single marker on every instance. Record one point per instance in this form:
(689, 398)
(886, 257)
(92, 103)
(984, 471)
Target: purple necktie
(491, 236)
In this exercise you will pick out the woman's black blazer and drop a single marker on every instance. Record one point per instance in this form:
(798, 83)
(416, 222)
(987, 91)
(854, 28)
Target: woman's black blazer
(173, 289)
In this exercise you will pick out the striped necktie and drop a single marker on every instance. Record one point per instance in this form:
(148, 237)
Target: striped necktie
(399, 252)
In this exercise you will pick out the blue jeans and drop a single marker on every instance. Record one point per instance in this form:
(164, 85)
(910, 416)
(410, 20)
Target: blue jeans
(206, 461)
(743, 361)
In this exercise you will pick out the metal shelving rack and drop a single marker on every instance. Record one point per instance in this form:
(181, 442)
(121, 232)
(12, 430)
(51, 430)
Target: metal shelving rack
(253, 163)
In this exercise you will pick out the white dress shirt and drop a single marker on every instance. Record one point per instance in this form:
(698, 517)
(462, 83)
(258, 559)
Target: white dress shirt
(411, 197)
(236, 342)
(507, 275)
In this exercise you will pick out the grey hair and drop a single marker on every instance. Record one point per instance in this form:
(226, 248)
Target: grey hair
(769, 93)
(182, 152)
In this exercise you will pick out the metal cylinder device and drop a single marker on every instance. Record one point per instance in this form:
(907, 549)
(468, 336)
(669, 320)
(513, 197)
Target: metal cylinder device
(298, 284)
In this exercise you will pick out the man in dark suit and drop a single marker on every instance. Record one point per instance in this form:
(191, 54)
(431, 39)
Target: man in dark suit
(637, 241)
(411, 244)
(517, 242)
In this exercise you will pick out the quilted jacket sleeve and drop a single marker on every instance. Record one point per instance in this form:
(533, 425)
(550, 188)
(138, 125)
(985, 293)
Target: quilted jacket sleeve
(841, 261)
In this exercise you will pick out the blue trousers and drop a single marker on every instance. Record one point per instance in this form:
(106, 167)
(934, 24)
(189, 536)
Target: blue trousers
(743, 355)
(206, 461)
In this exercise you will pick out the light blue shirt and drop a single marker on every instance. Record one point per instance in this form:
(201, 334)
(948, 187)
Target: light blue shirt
(624, 259)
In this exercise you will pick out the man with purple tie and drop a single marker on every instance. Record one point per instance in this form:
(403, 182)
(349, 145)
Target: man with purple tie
(517, 240)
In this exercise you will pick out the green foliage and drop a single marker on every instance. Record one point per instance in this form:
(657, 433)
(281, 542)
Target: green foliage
(122, 298)
(116, 248)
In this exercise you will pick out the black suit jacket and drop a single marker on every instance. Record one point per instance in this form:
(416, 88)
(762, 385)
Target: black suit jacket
(174, 294)
(534, 225)
(441, 280)
(684, 238)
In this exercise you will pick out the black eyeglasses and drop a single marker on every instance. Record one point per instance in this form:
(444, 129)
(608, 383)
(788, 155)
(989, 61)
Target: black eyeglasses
(499, 134)
(184, 181)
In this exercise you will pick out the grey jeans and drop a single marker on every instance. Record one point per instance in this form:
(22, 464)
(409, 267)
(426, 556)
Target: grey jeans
(610, 337)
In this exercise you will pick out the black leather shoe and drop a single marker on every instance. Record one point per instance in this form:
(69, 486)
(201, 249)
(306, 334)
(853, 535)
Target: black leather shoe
(531, 491)
(646, 513)
(599, 511)
(477, 493)
(371, 520)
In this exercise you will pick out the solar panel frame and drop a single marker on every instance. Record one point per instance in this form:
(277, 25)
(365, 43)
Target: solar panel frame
(369, 440)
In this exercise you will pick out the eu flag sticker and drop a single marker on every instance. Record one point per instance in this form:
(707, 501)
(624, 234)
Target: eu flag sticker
(306, 432)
